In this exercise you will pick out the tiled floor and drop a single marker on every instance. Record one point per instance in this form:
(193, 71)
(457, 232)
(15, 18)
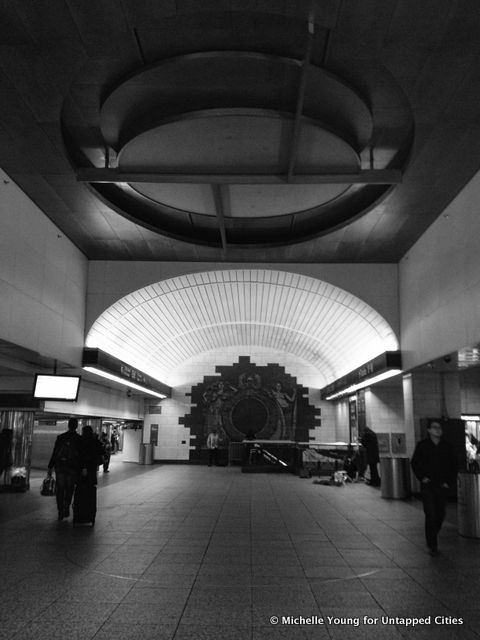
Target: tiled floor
(189, 552)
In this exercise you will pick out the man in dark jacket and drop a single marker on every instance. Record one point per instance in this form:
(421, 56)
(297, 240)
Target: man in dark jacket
(66, 461)
(107, 451)
(369, 440)
(435, 465)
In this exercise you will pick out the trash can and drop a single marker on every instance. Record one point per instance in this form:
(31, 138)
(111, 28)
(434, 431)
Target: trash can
(145, 454)
(395, 478)
(235, 453)
(468, 504)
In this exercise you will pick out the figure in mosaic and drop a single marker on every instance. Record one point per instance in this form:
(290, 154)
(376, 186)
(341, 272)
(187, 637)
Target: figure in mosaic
(214, 398)
(286, 403)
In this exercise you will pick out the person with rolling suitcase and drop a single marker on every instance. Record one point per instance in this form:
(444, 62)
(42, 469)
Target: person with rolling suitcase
(85, 496)
(65, 460)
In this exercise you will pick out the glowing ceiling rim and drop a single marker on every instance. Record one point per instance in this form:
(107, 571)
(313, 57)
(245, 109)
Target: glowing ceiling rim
(160, 326)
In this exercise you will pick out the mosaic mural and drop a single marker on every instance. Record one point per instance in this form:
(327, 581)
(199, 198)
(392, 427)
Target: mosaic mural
(246, 400)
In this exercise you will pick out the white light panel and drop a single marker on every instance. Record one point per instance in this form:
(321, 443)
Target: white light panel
(56, 387)
(127, 383)
(369, 382)
(158, 327)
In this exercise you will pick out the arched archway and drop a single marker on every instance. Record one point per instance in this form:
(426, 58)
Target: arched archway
(160, 327)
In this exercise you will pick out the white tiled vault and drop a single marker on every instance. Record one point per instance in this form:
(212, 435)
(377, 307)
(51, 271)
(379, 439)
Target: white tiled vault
(162, 326)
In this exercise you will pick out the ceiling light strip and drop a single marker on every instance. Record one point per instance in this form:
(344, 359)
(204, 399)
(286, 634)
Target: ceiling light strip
(385, 365)
(110, 367)
(127, 383)
(366, 383)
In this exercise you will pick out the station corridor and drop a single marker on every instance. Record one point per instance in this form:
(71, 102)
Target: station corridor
(189, 552)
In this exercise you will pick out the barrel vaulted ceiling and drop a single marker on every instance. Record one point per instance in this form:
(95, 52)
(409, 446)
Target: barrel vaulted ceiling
(159, 327)
(243, 131)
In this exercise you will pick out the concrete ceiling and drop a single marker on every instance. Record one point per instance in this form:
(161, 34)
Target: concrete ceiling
(363, 114)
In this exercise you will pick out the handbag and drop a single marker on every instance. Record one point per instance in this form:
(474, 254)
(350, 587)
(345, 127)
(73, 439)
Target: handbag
(48, 486)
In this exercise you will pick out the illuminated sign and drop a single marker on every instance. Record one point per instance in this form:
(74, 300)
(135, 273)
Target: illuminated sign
(97, 361)
(375, 368)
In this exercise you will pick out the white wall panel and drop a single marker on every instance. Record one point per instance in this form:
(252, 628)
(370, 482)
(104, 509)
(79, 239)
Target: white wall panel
(43, 280)
(97, 400)
(440, 283)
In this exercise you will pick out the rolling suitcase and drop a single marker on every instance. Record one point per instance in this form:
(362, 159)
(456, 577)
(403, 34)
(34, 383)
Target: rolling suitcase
(84, 503)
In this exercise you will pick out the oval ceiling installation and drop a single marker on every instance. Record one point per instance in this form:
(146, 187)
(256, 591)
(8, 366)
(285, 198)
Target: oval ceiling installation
(242, 148)
(238, 141)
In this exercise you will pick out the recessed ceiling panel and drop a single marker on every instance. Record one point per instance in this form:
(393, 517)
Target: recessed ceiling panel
(254, 127)
(243, 201)
(236, 141)
(222, 79)
(398, 81)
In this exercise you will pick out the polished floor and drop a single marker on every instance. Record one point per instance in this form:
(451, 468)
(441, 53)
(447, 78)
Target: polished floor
(190, 552)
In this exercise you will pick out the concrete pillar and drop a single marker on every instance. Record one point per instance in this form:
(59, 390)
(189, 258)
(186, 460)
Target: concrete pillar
(429, 394)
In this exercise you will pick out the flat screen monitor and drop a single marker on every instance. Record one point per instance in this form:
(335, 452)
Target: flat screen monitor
(51, 387)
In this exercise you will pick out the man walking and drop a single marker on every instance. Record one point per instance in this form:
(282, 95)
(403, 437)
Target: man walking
(435, 466)
(369, 441)
(66, 461)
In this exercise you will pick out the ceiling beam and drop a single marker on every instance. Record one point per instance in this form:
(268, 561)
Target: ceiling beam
(297, 122)
(220, 199)
(371, 176)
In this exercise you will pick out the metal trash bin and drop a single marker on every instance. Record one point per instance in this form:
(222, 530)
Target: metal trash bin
(468, 504)
(395, 478)
(236, 453)
(146, 453)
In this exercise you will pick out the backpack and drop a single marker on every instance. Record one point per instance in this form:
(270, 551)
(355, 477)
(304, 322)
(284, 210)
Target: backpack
(107, 447)
(67, 453)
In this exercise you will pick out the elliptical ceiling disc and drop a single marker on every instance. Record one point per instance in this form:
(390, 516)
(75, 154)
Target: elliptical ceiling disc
(238, 141)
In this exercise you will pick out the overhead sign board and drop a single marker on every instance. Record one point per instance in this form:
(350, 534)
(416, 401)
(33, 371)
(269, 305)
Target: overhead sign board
(383, 362)
(105, 362)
